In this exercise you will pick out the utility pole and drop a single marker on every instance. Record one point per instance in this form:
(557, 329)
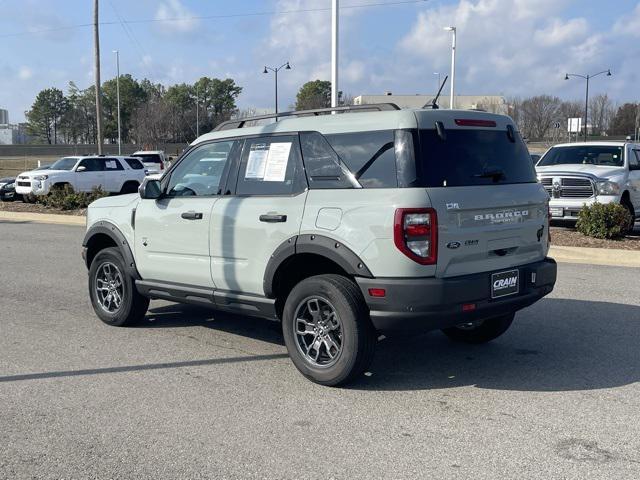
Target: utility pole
(586, 99)
(96, 45)
(197, 112)
(335, 5)
(118, 97)
(454, 31)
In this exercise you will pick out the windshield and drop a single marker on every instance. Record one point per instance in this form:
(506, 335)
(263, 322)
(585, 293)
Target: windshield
(464, 157)
(64, 164)
(601, 155)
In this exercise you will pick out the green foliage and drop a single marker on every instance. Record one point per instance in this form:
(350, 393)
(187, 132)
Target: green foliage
(314, 94)
(610, 220)
(66, 198)
(46, 113)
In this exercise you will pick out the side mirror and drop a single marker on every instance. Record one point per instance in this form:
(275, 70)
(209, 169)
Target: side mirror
(81, 168)
(150, 189)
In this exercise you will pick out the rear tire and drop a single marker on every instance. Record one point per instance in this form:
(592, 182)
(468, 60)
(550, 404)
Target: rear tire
(340, 339)
(484, 332)
(114, 296)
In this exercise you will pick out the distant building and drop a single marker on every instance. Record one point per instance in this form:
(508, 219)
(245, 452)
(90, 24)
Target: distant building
(4, 116)
(490, 103)
(7, 135)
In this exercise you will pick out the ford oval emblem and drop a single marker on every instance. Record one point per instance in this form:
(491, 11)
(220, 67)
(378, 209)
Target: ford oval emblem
(453, 245)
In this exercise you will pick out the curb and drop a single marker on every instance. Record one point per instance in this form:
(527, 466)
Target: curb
(29, 217)
(583, 255)
(596, 256)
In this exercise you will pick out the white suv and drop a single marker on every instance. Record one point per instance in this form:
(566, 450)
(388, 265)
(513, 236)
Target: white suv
(337, 225)
(84, 173)
(579, 174)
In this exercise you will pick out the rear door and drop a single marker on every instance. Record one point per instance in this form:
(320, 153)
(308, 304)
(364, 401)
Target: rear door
(264, 209)
(492, 213)
(114, 174)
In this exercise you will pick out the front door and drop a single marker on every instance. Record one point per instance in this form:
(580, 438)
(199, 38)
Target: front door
(91, 174)
(263, 211)
(173, 233)
(634, 179)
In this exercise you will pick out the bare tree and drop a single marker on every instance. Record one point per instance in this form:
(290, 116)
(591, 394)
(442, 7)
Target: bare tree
(602, 111)
(538, 115)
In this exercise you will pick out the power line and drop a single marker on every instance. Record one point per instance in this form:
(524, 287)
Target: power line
(216, 17)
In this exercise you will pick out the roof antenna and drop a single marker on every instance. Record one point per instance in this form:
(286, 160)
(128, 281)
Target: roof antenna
(433, 104)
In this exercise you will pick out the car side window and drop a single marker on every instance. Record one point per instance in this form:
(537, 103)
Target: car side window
(369, 155)
(634, 160)
(200, 171)
(91, 164)
(271, 166)
(111, 164)
(134, 163)
(322, 164)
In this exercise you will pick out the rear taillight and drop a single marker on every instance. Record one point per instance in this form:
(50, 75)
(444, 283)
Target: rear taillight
(415, 234)
(549, 224)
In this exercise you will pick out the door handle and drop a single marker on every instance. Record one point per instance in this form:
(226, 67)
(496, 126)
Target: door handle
(273, 218)
(192, 215)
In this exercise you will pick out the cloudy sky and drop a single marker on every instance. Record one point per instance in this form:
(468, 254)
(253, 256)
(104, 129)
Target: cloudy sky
(509, 47)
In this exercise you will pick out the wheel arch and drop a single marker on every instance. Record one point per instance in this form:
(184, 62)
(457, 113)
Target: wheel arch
(104, 235)
(304, 256)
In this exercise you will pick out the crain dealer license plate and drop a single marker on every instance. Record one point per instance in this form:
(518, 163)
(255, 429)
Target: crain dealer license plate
(505, 283)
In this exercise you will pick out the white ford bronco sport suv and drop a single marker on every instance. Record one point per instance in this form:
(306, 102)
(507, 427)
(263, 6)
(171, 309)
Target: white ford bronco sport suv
(113, 174)
(578, 174)
(339, 226)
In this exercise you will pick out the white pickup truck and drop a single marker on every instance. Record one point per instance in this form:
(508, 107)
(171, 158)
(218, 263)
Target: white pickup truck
(579, 174)
(83, 174)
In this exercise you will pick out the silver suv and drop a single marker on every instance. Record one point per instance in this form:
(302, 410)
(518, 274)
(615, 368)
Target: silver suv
(339, 226)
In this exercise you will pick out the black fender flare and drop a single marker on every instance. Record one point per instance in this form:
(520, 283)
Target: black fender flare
(109, 229)
(320, 245)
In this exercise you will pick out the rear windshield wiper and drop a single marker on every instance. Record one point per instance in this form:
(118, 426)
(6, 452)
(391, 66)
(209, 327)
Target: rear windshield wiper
(495, 175)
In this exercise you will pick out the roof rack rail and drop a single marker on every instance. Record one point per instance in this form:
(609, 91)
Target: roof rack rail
(240, 122)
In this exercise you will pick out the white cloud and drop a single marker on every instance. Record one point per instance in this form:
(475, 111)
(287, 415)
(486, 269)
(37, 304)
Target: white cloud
(629, 24)
(175, 17)
(25, 73)
(558, 32)
(506, 46)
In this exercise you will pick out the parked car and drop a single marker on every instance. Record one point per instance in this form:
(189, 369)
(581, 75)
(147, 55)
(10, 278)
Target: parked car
(84, 173)
(8, 189)
(579, 174)
(338, 226)
(154, 160)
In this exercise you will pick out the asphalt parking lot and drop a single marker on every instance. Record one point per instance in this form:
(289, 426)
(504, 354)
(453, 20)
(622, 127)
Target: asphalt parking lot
(195, 394)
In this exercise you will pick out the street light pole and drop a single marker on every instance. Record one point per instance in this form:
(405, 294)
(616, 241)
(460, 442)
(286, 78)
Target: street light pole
(275, 70)
(586, 101)
(118, 97)
(335, 5)
(197, 111)
(438, 86)
(453, 65)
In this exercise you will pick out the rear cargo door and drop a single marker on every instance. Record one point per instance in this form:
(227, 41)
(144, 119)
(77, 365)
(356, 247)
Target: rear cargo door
(492, 213)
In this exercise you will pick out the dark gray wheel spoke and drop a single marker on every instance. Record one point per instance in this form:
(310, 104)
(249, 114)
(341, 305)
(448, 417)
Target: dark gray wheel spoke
(109, 287)
(318, 331)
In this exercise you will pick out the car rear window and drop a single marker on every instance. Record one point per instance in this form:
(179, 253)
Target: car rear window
(584, 155)
(134, 163)
(148, 157)
(466, 157)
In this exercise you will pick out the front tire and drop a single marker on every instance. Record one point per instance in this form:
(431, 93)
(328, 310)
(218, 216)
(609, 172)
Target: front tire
(327, 330)
(481, 332)
(113, 294)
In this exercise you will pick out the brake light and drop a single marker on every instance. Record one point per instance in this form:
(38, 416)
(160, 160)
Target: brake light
(415, 233)
(471, 122)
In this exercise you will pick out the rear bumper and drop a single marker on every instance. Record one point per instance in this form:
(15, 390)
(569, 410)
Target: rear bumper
(433, 303)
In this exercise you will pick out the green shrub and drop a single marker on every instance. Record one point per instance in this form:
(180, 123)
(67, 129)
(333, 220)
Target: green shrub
(66, 198)
(609, 220)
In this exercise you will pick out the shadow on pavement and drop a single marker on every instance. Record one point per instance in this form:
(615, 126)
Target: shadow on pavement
(555, 345)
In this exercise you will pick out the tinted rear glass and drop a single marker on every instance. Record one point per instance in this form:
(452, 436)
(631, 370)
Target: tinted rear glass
(148, 158)
(472, 157)
(584, 155)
